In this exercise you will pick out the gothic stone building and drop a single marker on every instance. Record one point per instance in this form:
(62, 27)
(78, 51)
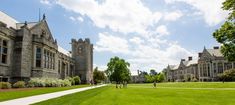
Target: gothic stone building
(209, 64)
(29, 50)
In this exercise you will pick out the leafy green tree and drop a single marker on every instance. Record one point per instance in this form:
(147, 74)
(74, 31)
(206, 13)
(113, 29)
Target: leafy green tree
(160, 77)
(118, 71)
(98, 76)
(152, 72)
(226, 34)
(149, 78)
(228, 75)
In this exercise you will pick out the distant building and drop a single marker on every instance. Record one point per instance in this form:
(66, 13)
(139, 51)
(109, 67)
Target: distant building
(209, 64)
(139, 78)
(29, 50)
(185, 71)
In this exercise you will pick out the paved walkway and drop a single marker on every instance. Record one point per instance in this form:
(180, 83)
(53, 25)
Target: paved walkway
(43, 97)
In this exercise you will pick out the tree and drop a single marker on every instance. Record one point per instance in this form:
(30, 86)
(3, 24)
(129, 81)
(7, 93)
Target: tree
(152, 72)
(118, 71)
(228, 75)
(160, 77)
(226, 34)
(98, 76)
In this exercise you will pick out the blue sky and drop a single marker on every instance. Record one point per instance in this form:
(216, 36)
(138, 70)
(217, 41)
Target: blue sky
(150, 34)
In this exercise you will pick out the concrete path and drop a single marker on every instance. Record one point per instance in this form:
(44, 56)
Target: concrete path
(43, 97)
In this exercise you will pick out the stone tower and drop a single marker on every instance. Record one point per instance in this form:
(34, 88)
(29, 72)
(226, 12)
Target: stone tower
(82, 53)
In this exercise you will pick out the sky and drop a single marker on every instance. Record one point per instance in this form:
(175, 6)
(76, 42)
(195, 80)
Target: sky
(149, 34)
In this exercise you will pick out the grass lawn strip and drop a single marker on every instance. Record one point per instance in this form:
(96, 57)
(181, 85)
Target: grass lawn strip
(19, 93)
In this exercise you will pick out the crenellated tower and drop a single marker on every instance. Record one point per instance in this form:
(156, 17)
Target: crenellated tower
(82, 53)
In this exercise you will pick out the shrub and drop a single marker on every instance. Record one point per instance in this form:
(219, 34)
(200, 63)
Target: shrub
(48, 82)
(194, 80)
(77, 80)
(5, 85)
(71, 80)
(19, 84)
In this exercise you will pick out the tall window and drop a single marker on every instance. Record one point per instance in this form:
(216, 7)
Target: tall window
(45, 58)
(3, 51)
(59, 66)
(220, 68)
(38, 57)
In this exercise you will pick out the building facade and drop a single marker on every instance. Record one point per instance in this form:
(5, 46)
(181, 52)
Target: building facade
(29, 50)
(207, 67)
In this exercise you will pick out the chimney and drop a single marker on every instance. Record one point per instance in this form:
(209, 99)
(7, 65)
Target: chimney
(138, 72)
(182, 60)
(190, 58)
(216, 47)
(199, 55)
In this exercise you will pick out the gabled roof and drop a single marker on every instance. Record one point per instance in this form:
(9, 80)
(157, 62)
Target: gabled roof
(191, 62)
(9, 21)
(175, 67)
(215, 52)
(29, 25)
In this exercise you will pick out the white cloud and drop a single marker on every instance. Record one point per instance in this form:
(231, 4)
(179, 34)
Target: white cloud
(162, 30)
(210, 9)
(115, 14)
(80, 19)
(72, 18)
(112, 44)
(45, 2)
(173, 16)
(136, 40)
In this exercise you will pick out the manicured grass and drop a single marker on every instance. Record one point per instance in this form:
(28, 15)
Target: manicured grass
(193, 84)
(145, 94)
(19, 93)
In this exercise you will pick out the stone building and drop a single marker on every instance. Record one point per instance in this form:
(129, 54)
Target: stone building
(139, 78)
(209, 64)
(29, 50)
(186, 70)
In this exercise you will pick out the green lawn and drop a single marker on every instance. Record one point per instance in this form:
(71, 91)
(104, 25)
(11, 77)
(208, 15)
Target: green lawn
(18, 93)
(145, 94)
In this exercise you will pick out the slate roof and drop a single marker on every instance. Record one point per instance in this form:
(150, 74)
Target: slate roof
(11, 22)
(215, 52)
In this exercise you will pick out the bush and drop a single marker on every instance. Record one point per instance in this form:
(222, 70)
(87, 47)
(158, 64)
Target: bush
(19, 84)
(48, 82)
(5, 85)
(194, 80)
(77, 80)
(71, 80)
(228, 75)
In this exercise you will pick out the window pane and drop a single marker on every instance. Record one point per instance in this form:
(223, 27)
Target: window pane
(4, 50)
(4, 58)
(38, 63)
(38, 57)
(4, 43)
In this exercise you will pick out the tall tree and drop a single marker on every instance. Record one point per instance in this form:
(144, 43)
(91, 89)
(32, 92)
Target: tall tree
(118, 71)
(153, 72)
(98, 76)
(226, 34)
